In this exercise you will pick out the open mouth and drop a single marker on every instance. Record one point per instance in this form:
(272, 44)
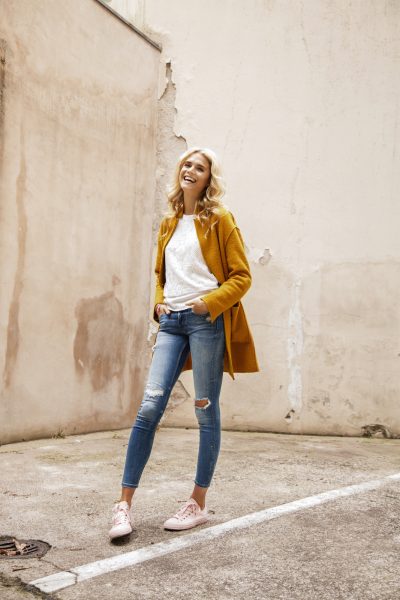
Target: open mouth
(189, 179)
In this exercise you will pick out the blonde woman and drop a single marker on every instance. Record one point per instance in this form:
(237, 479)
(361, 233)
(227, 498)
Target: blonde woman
(201, 274)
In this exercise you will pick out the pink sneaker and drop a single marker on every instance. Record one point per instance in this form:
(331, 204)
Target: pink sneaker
(189, 515)
(121, 520)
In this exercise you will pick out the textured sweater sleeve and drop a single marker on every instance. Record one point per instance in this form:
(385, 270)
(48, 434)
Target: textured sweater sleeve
(239, 277)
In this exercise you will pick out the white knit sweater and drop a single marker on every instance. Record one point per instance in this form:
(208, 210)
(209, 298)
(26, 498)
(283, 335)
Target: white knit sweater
(186, 273)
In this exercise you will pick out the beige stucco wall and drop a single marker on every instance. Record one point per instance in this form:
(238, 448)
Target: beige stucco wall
(77, 131)
(301, 100)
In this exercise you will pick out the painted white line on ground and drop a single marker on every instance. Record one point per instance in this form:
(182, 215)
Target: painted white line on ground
(64, 579)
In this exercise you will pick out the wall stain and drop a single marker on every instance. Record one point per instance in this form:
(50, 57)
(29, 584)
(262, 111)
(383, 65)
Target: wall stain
(101, 339)
(3, 48)
(13, 315)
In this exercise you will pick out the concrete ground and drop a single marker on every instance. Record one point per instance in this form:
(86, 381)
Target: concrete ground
(62, 491)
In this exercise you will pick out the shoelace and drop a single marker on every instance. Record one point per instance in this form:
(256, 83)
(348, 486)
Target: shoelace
(121, 516)
(186, 510)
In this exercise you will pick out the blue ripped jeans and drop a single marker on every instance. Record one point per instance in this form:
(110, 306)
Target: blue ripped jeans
(181, 332)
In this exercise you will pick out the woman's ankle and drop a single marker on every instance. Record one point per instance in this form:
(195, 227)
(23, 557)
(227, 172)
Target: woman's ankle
(125, 500)
(127, 495)
(201, 501)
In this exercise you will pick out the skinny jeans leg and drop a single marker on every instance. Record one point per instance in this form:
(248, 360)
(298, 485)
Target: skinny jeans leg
(180, 332)
(207, 347)
(169, 355)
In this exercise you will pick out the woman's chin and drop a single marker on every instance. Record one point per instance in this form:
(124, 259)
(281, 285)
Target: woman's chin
(186, 185)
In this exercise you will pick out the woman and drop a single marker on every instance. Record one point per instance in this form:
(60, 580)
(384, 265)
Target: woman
(201, 274)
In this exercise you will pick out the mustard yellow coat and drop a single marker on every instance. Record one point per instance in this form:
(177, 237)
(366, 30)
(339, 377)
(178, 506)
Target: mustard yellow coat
(224, 254)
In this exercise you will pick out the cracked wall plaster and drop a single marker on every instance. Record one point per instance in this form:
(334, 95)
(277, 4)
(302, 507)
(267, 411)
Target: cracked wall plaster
(295, 350)
(260, 256)
(169, 145)
(309, 174)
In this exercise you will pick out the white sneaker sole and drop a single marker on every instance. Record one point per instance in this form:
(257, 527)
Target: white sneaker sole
(179, 526)
(119, 533)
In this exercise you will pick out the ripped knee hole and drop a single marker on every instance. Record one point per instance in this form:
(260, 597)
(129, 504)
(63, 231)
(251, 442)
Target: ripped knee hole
(203, 403)
(152, 392)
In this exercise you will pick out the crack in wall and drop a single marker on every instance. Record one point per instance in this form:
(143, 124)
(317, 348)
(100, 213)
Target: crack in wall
(169, 145)
(3, 65)
(295, 350)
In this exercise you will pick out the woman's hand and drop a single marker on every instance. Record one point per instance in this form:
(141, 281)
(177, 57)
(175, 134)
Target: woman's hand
(199, 307)
(162, 309)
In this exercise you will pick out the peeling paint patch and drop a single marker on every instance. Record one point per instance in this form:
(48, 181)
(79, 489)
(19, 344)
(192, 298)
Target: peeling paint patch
(100, 344)
(377, 430)
(295, 349)
(13, 314)
(169, 143)
(260, 256)
(167, 80)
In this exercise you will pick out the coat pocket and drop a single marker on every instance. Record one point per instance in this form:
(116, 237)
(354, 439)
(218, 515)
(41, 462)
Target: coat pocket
(240, 333)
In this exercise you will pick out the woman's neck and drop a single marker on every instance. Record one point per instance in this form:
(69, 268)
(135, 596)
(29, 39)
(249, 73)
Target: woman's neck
(189, 204)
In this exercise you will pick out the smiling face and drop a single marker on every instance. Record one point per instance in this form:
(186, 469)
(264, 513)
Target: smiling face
(195, 174)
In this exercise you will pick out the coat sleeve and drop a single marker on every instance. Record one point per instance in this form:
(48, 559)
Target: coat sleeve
(159, 290)
(239, 277)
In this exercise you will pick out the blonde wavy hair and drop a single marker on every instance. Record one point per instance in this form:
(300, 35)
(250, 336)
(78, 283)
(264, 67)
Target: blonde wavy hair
(211, 202)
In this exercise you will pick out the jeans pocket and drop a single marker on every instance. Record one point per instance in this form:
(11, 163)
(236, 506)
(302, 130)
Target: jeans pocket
(202, 317)
(206, 316)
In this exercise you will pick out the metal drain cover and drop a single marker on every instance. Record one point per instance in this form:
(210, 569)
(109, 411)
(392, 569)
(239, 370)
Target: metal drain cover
(10, 547)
